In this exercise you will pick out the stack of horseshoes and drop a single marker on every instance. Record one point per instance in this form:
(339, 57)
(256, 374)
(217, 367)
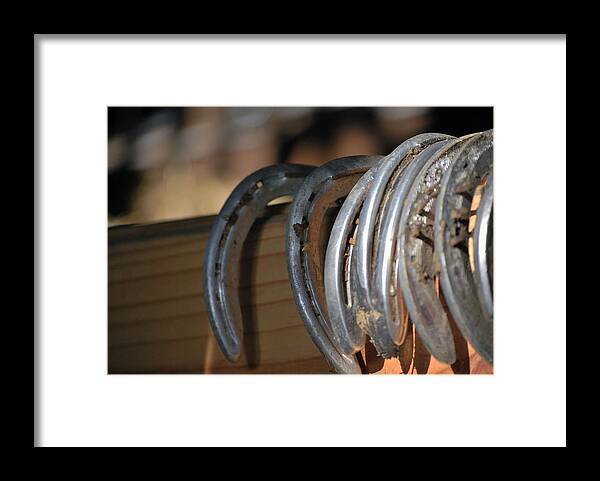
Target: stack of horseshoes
(401, 250)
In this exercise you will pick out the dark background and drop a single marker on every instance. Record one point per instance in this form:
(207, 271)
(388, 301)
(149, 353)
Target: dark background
(174, 162)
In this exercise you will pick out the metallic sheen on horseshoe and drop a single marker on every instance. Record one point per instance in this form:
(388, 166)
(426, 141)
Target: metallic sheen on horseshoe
(484, 248)
(324, 188)
(415, 272)
(338, 260)
(435, 332)
(452, 215)
(222, 257)
(366, 306)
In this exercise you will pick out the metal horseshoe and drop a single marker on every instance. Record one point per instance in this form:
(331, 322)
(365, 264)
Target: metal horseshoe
(307, 237)
(435, 332)
(222, 257)
(367, 306)
(413, 255)
(484, 245)
(451, 237)
(338, 268)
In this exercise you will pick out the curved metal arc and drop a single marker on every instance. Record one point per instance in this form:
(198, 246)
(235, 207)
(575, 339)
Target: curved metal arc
(222, 256)
(388, 329)
(400, 157)
(482, 242)
(451, 235)
(338, 260)
(366, 307)
(301, 219)
(415, 273)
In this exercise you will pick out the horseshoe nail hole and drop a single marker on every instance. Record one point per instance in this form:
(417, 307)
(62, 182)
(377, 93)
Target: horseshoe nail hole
(284, 199)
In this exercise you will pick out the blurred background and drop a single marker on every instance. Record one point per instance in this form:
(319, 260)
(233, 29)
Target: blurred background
(169, 163)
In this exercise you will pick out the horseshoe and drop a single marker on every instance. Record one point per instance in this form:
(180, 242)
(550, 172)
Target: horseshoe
(324, 188)
(367, 307)
(451, 238)
(435, 333)
(222, 257)
(484, 246)
(413, 255)
(338, 260)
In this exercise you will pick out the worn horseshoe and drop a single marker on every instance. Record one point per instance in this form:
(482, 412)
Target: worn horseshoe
(338, 261)
(451, 237)
(307, 236)
(484, 246)
(415, 270)
(435, 332)
(222, 257)
(367, 307)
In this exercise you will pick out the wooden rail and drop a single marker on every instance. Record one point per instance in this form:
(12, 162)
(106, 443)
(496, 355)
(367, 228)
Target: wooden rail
(157, 321)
